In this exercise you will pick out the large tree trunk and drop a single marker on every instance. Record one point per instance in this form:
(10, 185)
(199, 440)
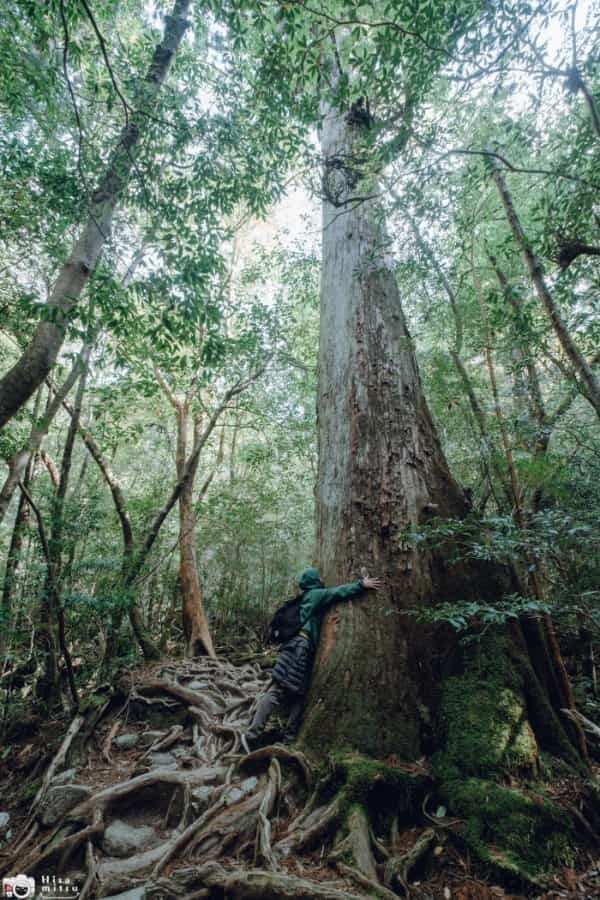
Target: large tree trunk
(381, 469)
(385, 685)
(378, 673)
(41, 354)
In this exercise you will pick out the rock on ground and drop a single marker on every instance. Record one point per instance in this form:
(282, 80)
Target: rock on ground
(126, 741)
(59, 800)
(123, 840)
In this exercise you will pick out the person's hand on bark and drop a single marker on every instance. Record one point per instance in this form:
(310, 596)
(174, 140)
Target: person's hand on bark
(373, 584)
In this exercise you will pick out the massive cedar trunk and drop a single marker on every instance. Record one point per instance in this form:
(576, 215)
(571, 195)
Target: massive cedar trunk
(381, 469)
(377, 676)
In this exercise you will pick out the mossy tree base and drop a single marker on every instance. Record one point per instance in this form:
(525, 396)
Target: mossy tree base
(486, 738)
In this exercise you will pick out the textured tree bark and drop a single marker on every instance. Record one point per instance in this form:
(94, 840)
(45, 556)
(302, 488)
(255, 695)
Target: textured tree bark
(41, 354)
(381, 470)
(13, 559)
(377, 673)
(51, 636)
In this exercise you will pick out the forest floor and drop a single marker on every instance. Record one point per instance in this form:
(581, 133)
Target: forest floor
(149, 792)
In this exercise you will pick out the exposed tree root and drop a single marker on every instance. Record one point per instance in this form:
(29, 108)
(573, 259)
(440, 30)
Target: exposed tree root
(108, 741)
(111, 795)
(208, 803)
(314, 828)
(356, 845)
(373, 887)
(256, 884)
(63, 848)
(398, 868)
(57, 762)
(285, 754)
(264, 851)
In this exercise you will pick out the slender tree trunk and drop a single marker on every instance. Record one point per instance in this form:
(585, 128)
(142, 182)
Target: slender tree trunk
(546, 655)
(578, 360)
(491, 458)
(52, 635)
(13, 559)
(41, 354)
(39, 430)
(198, 641)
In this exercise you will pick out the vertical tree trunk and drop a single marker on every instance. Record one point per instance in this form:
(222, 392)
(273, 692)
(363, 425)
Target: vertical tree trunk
(41, 354)
(13, 559)
(52, 635)
(39, 430)
(198, 641)
(490, 461)
(381, 470)
(578, 360)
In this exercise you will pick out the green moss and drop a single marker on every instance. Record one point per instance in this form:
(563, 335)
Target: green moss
(482, 720)
(523, 834)
(485, 734)
(384, 791)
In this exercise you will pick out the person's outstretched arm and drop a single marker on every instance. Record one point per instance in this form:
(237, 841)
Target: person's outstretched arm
(326, 596)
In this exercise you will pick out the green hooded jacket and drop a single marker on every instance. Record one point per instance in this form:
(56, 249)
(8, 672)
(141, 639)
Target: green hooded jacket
(317, 598)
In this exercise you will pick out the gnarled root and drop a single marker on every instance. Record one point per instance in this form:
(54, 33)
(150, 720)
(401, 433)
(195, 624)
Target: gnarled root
(285, 755)
(398, 868)
(257, 884)
(355, 847)
(264, 851)
(64, 847)
(315, 827)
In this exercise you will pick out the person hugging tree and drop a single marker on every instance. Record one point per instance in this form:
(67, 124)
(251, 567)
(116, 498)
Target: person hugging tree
(298, 624)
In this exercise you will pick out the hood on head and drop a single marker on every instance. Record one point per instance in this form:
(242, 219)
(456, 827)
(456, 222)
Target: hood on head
(310, 579)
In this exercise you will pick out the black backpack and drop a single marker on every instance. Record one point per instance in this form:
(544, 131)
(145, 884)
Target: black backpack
(286, 622)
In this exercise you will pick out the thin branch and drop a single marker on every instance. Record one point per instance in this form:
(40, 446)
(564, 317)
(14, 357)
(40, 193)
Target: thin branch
(104, 50)
(40, 522)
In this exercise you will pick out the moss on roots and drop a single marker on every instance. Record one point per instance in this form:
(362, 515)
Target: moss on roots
(383, 791)
(523, 834)
(485, 735)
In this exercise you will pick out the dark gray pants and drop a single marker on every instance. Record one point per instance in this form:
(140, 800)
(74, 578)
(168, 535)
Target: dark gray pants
(276, 696)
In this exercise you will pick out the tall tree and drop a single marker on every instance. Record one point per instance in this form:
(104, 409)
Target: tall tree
(41, 353)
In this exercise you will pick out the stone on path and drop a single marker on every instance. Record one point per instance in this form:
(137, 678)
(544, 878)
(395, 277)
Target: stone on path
(126, 741)
(59, 800)
(162, 761)
(123, 840)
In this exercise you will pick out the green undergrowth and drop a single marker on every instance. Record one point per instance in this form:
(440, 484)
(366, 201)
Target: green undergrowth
(485, 739)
